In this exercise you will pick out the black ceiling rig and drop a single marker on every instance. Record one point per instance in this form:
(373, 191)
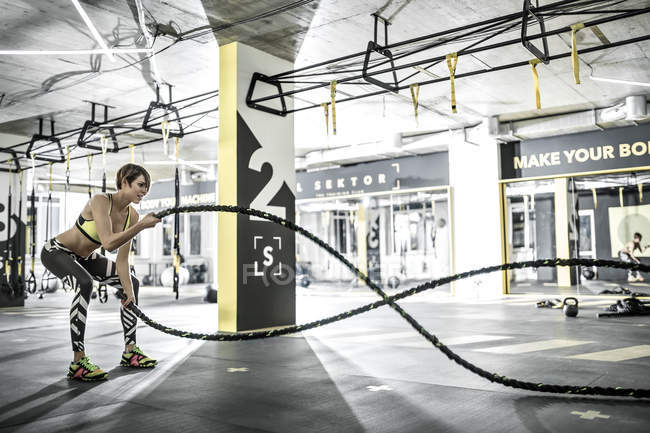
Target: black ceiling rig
(358, 68)
(192, 110)
(35, 150)
(169, 112)
(529, 14)
(12, 164)
(374, 47)
(91, 129)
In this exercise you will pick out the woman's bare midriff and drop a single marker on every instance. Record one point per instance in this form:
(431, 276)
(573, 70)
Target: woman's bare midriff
(74, 240)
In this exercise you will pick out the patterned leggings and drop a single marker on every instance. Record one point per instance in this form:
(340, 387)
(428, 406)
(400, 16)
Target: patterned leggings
(625, 257)
(79, 272)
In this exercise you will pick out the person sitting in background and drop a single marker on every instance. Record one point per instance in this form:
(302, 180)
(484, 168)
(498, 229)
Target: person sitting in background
(626, 254)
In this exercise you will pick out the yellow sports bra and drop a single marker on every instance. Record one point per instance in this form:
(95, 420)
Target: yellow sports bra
(89, 229)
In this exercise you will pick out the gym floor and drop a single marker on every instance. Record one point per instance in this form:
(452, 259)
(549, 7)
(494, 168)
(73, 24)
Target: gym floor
(369, 373)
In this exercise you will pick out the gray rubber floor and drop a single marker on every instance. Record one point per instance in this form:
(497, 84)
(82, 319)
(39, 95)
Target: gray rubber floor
(371, 373)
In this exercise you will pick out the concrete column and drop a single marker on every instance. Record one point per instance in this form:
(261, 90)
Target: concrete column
(476, 231)
(256, 269)
(565, 276)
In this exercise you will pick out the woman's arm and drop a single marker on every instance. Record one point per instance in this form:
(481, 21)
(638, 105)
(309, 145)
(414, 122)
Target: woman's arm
(123, 267)
(110, 241)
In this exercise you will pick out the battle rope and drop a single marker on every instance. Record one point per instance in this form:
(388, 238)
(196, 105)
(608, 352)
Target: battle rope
(390, 300)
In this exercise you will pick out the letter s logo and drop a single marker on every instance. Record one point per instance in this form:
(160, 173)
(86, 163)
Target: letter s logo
(268, 257)
(373, 236)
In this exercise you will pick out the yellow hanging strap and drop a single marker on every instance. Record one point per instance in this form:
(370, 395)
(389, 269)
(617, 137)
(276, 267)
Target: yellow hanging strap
(67, 165)
(452, 61)
(50, 180)
(574, 51)
(178, 142)
(593, 191)
(132, 148)
(90, 169)
(103, 141)
(164, 128)
(533, 66)
(415, 95)
(326, 109)
(620, 195)
(333, 96)
(640, 186)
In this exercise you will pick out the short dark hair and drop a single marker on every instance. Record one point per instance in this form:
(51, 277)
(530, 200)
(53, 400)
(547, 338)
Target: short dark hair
(638, 235)
(131, 172)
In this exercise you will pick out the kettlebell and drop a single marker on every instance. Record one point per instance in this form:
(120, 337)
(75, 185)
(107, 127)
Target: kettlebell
(570, 307)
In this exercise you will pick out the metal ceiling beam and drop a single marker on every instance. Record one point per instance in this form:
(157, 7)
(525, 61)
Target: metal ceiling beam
(256, 101)
(468, 50)
(517, 15)
(484, 71)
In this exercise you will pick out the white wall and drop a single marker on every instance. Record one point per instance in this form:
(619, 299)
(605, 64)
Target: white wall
(473, 172)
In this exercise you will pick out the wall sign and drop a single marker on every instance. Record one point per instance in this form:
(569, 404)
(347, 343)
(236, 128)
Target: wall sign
(161, 195)
(377, 176)
(612, 149)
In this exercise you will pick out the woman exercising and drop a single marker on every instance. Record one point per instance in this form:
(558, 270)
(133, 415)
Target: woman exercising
(626, 254)
(107, 220)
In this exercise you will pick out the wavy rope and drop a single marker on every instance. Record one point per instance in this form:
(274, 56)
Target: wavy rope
(390, 300)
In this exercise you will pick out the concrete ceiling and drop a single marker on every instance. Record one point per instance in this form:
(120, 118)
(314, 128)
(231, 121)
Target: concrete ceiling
(56, 86)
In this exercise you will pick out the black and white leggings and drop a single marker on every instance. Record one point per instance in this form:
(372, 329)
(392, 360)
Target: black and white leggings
(79, 272)
(627, 258)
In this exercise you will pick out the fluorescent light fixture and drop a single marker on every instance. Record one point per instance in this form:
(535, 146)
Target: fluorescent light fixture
(72, 52)
(93, 29)
(619, 81)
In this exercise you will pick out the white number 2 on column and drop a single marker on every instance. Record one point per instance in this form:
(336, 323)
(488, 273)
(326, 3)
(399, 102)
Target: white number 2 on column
(262, 200)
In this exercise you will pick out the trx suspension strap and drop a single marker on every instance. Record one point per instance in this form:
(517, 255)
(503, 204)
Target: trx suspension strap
(7, 285)
(67, 185)
(102, 290)
(31, 229)
(90, 177)
(327, 117)
(20, 282)
(415, 95)
(177, 222)
(134, 241)
(47, 276)
(640, 186)
(574, 51)
(452, 61)
(333, 96)
(533, 66)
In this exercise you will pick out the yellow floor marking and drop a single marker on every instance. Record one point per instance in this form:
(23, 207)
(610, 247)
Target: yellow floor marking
(616, 355)
(534, 346)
